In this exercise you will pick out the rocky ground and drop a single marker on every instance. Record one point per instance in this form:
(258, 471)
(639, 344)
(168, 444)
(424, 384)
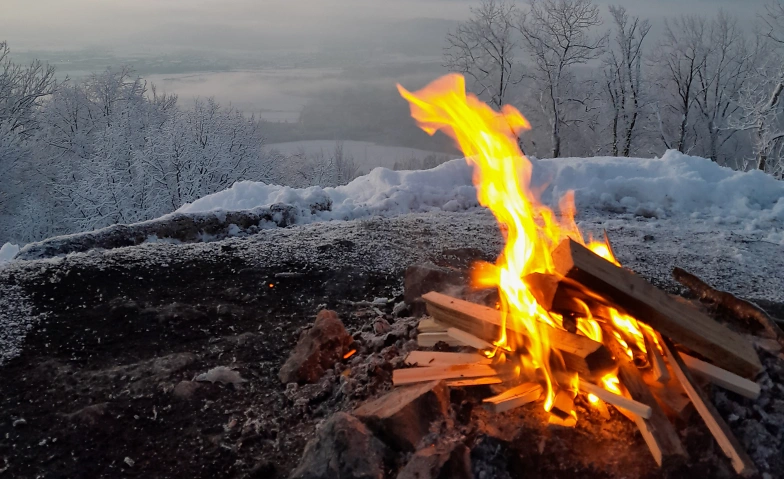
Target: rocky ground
(108, 356)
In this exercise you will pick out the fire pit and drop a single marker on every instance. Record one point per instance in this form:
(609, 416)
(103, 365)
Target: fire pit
(569, 322)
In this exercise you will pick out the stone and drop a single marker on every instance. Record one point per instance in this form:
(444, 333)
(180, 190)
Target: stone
(424, 278)
(403, 416)
(342, 448)
(439, 461)
(89, 416)
(317, 350)
(185, 389)
(221, 374)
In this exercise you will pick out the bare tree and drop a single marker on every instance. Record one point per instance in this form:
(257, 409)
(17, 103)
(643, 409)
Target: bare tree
(483, 49)
(721, 76)
(680, 56)
(623, 77)
(558, 35)
(22, 88)
(761, 112)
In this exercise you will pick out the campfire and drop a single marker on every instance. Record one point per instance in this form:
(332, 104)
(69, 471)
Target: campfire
(569, 319)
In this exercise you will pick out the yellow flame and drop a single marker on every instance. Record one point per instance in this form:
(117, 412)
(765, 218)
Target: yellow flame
(593, 399)
(531, 230)
(502, 175)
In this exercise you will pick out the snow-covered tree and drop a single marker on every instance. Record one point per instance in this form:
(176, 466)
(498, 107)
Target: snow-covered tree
(623, 79)
(560, 35)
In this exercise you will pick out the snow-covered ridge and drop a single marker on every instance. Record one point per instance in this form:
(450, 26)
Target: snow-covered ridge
(672, 185)
(690, 188)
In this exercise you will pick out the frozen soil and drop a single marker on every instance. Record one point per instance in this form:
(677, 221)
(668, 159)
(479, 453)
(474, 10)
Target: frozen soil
(97, 350)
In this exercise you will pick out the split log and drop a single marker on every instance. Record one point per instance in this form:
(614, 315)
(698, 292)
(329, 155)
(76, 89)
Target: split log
(741, 309)
(435, 358)
(457, 371)
(403, 416)
(428, 340)
(658, 368)
(474, 382)
(722, 378)
(671, 397)
(677, 320)
(580, 354)
(657, 430)
(741, 462)
(514, 397)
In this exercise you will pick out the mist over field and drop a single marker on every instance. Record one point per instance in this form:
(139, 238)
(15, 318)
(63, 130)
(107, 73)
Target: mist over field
(276, 59)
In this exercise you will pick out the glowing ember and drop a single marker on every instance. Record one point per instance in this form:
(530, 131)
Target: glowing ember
(502, 176)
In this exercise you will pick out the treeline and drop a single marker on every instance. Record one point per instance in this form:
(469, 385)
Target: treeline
(596, 84)
(110, 149)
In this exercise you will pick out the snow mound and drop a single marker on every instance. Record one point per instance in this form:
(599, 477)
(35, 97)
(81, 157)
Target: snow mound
(7, 252)
(673, 185)
(382, 192)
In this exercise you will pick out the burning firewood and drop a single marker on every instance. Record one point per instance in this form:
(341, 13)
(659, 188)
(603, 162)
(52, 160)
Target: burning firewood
(729, 444)
(581, 354)
(674, 319)
(739, 308)
(657, 430)
(658, 368)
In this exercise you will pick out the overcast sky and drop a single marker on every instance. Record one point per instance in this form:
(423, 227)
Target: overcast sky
(148, 25)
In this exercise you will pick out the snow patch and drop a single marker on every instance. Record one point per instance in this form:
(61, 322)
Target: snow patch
(7, 252)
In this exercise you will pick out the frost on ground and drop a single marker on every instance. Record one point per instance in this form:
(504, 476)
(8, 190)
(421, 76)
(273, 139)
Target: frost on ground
(17, 317)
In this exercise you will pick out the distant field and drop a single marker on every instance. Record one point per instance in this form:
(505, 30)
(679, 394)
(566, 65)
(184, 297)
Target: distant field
(369, 155)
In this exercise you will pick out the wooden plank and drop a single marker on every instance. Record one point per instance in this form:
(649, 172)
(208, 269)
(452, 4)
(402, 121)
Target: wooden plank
(580, 354)
(741, 462)
(473, 382)
(436, 358)
(514, 397)
(458, 371)
(722, 378)
(674, 319)
(469, 339)
(658, 431)
(658, 367)
(637, 408)
(428, 340)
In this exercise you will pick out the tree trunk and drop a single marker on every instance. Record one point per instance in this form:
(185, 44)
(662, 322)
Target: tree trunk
(627, 143)
(762, 159)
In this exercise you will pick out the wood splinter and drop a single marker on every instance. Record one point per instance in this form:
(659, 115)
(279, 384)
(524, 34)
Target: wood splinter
(513, 397)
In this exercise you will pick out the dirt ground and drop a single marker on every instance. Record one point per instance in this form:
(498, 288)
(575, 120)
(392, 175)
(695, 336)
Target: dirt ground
(97, 393)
